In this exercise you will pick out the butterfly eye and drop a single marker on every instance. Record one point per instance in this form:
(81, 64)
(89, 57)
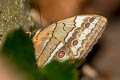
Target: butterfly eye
(75, 42)
(61, 54)
(91, 19)
(87, 25)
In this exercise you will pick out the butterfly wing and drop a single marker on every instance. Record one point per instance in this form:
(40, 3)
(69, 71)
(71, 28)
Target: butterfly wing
(71, 38)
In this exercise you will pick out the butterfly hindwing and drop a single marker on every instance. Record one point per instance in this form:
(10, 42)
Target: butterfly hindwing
(71, 38)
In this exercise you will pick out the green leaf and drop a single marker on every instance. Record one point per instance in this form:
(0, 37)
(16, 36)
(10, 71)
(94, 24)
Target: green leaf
(60, 71)
(18, 48)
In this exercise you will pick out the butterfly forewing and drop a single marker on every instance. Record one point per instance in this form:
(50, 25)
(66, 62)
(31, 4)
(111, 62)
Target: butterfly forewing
(71, 38)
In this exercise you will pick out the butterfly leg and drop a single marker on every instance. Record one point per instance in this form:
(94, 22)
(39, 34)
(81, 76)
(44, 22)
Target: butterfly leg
(33, 30)
(29, 34)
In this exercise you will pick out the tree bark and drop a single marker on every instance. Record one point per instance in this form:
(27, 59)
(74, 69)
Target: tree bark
(14, 14)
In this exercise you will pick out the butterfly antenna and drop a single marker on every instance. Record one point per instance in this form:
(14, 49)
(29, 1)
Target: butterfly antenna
(39, 9)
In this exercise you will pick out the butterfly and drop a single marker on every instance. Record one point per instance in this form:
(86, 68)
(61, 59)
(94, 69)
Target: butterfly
(71, 38)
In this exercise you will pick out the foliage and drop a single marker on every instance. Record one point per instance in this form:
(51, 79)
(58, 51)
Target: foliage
(18, 48)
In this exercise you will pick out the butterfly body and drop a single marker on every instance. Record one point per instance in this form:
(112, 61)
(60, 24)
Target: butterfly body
(71, 38)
